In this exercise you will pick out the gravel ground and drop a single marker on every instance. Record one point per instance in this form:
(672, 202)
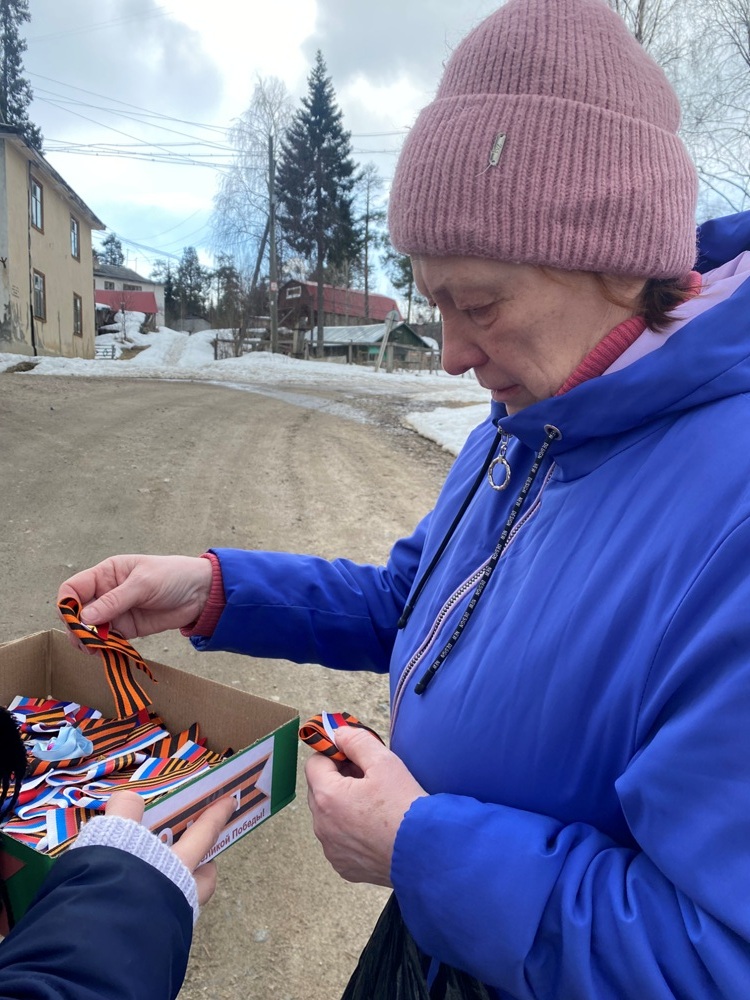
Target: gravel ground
(92, 467)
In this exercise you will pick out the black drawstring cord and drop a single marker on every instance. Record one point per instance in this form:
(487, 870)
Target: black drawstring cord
(409, 607)
(553, 434)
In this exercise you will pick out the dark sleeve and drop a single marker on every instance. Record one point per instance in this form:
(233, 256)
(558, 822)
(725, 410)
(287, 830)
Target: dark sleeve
(105, 924)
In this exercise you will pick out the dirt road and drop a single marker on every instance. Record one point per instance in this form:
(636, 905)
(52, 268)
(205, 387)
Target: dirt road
(93, 467)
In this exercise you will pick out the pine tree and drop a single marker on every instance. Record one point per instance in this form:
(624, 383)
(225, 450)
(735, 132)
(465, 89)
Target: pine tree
(111, 251)
(163, 273)
(190, 284)
(399, 271)
(315, 181)
(229, 304)
(15, 92)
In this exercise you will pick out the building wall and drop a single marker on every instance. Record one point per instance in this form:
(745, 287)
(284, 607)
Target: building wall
(48, 252)
(16, 321)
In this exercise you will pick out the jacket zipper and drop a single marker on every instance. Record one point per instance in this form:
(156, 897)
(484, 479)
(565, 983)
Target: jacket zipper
(454, 599)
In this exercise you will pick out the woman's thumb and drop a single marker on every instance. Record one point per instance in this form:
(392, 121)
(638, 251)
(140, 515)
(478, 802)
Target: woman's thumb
(359, 745)
(109, 606)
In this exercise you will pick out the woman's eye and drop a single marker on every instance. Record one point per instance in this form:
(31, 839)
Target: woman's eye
(482, 313)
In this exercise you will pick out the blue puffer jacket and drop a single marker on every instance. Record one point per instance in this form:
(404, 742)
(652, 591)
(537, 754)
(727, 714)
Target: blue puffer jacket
(587, 741)
(105, 926)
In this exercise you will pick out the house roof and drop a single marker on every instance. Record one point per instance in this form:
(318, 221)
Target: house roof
(142, 302)
(372, 334)
(120, 273)
(349, 301)
(12, 135)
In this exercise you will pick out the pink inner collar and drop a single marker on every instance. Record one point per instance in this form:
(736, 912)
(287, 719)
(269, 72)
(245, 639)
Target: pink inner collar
(616, 342)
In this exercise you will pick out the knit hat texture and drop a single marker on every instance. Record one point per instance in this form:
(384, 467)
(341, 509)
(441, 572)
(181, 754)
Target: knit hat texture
(552, 140)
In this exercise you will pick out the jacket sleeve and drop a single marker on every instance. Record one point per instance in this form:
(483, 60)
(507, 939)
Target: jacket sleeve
(308, 610)
(104, 924)
(539, 908)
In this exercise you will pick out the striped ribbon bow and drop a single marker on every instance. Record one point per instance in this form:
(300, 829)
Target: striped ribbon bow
(318, 732)
(117, 654)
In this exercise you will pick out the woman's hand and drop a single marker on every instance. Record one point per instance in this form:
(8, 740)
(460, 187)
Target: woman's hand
(357, 807)
(140, 595)
(193, 845)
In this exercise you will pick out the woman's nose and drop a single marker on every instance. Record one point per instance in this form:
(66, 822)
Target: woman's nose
(460, 351)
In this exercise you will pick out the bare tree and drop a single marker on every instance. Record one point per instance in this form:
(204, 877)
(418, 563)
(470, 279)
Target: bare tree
(659, 25)
(241, 206)
(370, 220)
(704, 48)
(721, 105)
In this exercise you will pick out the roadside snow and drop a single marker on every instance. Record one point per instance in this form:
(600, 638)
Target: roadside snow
(169, 354)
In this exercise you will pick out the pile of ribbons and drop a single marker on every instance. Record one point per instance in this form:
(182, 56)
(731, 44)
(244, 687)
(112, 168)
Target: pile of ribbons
(133, 750)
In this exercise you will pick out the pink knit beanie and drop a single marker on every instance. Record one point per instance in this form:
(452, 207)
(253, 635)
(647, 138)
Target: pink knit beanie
(552, 140)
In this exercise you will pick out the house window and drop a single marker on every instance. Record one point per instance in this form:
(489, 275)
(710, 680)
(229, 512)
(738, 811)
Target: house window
(75, 238)
(40, 296)
(77, 315)
(109, 286)
(37, 205)
(131, 288)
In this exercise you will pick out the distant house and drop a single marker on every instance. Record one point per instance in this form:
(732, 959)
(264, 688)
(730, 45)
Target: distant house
(298, 308)
(363, 345)
(115, 287)
(46, 295)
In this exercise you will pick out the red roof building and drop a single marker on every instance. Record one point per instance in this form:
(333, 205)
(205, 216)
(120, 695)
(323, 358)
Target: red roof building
(341, 306)
(142, 302)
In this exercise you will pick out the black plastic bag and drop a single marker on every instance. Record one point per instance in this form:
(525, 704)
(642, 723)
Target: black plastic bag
(392, 967)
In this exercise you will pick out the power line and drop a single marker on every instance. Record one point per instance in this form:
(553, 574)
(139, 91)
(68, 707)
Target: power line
(172, 228)
(174, 161)
(61, 102)
(144, 247)
(159, 12)
(166, 155)
(127, 104)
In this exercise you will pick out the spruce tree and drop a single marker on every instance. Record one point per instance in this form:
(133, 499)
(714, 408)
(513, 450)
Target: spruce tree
(15, 92)
(191, 284)
(111, 250)
(315, 181)
(163, 273)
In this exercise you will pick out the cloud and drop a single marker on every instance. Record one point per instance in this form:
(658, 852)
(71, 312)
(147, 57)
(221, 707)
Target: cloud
(385, 40)
(127, 49)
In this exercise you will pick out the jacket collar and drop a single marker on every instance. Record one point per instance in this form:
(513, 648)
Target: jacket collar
(709, 358)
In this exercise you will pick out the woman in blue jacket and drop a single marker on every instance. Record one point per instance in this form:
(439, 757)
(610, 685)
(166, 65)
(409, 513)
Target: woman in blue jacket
(565, 808)
(115, 916)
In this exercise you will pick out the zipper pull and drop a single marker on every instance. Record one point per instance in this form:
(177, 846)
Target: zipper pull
(501, 464)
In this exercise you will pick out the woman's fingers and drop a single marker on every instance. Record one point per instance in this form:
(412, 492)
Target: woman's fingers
(127, 805)
(200, 836)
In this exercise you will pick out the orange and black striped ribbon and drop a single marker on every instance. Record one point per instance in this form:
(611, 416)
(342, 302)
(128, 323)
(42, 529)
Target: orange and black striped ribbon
(318, 731)
(171, 744)
(117, 654)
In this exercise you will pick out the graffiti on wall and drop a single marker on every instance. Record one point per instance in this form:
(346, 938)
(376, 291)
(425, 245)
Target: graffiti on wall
(11, 323)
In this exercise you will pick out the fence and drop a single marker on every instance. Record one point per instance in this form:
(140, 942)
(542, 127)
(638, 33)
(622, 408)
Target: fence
(398, 357)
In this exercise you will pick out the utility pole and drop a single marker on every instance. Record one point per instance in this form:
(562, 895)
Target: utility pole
(272, 266)
(390, 321)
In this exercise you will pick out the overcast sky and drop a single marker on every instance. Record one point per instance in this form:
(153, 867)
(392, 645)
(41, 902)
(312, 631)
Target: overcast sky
(96, 66)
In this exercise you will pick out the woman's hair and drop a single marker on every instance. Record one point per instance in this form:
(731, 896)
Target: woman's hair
(658, 297)
(13, 763)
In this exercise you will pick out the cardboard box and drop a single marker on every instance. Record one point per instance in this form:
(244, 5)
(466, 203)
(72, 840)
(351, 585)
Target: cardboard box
(260, 774)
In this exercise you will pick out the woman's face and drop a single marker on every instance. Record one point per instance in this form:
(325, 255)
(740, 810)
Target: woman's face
(523, 330)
